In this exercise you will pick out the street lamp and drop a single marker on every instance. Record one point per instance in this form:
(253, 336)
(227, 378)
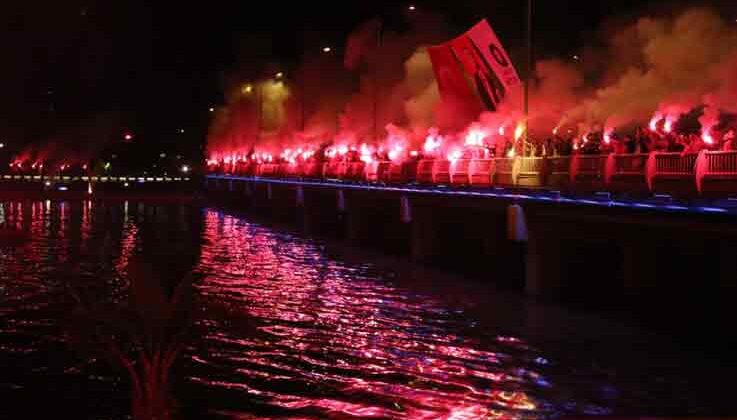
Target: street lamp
(212, 109)
(528, 69)
(411, 8)
(185, 169)
(279, 75)
(326, 49)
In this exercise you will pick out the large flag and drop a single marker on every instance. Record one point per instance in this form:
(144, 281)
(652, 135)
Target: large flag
(488, 86)
(455, 90)
(487, 72)
(451, 80)
(491, 49)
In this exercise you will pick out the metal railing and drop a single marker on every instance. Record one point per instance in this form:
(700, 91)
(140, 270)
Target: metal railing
(376, 171)
(395, 173)
(441, 172)
(459, 174)
(424, 171)
(526, 171)
(355, 171)
(481, 172)
(716, 165)
(505, 171)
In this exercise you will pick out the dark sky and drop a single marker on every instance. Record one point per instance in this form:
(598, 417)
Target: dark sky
(158, 66)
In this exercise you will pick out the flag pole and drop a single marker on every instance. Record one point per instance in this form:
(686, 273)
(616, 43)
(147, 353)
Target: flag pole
(528, 70)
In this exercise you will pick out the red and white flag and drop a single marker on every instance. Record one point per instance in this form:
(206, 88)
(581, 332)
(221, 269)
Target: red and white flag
(455, 90)
(448, 73)
(488, 86)
(488, 44)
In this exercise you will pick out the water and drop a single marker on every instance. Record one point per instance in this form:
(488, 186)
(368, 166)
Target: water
(286, 329)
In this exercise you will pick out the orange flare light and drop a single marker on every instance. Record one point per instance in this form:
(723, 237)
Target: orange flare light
(475, 137)
(519, 131)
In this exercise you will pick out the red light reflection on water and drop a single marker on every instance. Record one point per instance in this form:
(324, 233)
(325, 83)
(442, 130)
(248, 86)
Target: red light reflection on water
(332, 339)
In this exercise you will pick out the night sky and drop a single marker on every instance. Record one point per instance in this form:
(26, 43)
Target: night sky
(155, 69)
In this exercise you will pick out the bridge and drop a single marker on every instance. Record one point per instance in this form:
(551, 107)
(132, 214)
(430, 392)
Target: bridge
(70, 187)
(708, 173)
(93, 179)
(547, 242)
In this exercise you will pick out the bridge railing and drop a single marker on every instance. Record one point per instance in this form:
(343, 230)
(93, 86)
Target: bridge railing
(632, 166)
(312, 170)
(505, 173)
(459, 172)
(355, 171)
(376, 171)
(285, 169)
(267, 169)
(331, 170)
(680, 167)
(587, 168)
(424, 171)
(716, 166)
(441, 172)
(712, 169)
(530, 171)
(395, 173)
(559, 171)
(481, 172)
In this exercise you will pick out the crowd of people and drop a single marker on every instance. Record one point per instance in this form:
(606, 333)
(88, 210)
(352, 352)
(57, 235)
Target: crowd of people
(642, 141)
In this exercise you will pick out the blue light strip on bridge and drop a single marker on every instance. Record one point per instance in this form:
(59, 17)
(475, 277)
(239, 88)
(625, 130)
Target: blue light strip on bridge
(535, 196)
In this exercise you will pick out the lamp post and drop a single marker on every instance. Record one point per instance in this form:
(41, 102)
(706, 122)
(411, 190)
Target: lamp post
(528, 70)
(303, 93)
(379, 42)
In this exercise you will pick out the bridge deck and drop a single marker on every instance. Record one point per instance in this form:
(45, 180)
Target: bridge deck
(606, 200)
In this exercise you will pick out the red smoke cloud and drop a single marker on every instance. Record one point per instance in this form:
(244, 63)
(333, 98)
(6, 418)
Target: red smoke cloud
(653, 66)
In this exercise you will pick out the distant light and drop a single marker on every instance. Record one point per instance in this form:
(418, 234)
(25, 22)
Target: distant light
(181, 131)
(575, 57)
(162, 155)
(247, 88)
(107, 166)
(125, 184)
(212, 109)
(47, 183)
(2, 145)
(412, 8)
(63, 188)
(84, 167)
(185, 169)
(128, 136)
(279, 75)
(326, 49)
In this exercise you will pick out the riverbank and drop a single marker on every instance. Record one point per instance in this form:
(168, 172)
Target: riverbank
(160, 193)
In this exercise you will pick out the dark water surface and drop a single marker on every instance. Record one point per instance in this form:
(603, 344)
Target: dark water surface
(287, 329)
